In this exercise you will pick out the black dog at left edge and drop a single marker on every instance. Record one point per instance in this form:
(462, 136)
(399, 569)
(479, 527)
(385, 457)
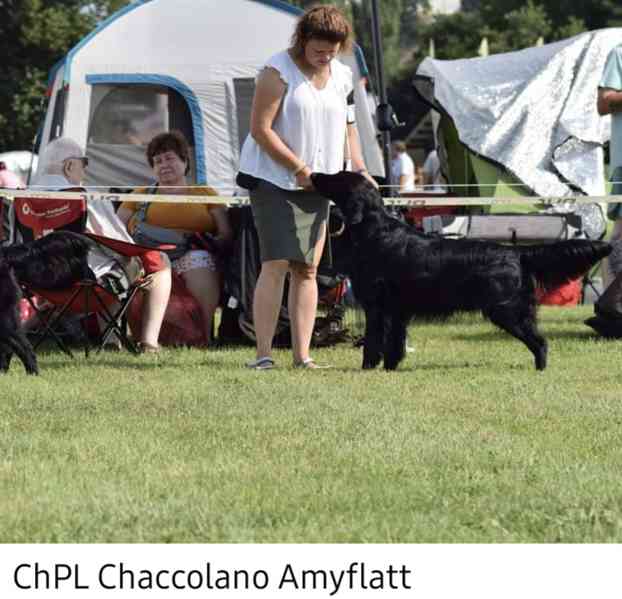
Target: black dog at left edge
(55, 261)
(399, 273)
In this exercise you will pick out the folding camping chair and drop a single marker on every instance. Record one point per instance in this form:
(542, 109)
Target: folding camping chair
(90, 297)
(35, 217)
(86, 298)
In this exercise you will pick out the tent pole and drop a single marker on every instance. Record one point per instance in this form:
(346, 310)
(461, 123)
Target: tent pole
(382, 116)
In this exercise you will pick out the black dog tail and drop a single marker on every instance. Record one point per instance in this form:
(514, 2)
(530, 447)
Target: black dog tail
(556, 263)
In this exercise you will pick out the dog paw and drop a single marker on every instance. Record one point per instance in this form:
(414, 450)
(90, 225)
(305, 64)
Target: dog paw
(390, 366)
(369, 365)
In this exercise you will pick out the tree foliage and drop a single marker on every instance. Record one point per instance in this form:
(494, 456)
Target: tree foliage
(524, 26)
(35, 34)
(390, 12)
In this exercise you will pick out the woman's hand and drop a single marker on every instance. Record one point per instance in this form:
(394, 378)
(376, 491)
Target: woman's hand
(303, 178)
(371, 180)
(125, 215)
(365, 173)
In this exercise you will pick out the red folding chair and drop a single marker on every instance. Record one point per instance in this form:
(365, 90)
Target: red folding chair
(89, 297)
(35, 217)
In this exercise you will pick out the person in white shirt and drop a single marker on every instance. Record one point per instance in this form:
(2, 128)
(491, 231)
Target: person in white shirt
(402, 167)
(299, 123)
(609, 102)
(432, 176)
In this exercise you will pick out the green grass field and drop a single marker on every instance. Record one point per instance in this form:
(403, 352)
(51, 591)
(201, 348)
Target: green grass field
(466, 442)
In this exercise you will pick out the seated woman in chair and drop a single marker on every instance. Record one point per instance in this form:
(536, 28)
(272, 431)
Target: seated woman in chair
(168, 155)
(61, 166)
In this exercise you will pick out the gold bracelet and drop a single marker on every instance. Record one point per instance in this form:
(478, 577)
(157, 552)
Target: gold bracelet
(298, 171)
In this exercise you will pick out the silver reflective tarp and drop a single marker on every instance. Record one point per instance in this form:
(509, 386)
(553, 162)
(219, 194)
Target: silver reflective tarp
(532, 111)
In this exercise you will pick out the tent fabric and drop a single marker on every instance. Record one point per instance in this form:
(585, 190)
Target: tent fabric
(118, 165)
(533, 111)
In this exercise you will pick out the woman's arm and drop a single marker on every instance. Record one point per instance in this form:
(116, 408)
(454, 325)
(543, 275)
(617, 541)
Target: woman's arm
(609, 101)
(124, 215)
(269, 93)
(223, 226)
(356, 154)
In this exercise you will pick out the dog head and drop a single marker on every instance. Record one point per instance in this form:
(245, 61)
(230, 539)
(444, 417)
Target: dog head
(352, 193)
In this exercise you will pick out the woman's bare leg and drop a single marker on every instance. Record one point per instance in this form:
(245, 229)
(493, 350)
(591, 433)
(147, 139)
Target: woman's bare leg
(267, 303)
(302, 302)
(156, 300)
(204, 285)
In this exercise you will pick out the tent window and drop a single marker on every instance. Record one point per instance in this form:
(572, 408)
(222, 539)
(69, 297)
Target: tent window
(132, 114)
(124, 119)
(244, 91)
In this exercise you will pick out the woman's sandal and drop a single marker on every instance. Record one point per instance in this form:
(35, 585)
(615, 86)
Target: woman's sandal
(146, 348)
(265, 363)
(310, 364)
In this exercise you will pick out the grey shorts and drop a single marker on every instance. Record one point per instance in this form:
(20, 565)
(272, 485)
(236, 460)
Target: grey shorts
(289, 223)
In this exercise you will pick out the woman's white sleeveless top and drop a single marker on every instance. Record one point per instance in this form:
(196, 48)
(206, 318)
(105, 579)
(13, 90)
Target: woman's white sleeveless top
(311, 122)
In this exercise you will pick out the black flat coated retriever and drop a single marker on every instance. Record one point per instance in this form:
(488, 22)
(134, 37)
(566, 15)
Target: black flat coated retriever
(399, 273)
(55, 261)
(12, 337)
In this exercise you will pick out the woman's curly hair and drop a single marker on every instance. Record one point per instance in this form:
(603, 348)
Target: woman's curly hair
(325, 22)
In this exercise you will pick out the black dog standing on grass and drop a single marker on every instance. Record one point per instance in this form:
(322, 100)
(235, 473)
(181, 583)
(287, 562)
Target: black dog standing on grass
(55, 261)
(399, 273)
(12, 337)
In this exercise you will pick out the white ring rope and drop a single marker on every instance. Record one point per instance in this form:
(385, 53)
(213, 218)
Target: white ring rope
(406, 201)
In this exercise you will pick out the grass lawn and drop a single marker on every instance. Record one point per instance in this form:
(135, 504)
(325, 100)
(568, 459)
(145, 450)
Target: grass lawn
(466, 442)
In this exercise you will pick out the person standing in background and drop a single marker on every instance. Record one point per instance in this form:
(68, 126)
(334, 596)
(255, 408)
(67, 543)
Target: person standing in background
(609, 101)
(402, 167)
(432, 175)
(8, 179)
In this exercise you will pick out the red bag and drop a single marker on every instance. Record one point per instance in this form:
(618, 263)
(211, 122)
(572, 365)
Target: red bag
(415, 215)
(183, 320)
(568, 294)
(26, 311)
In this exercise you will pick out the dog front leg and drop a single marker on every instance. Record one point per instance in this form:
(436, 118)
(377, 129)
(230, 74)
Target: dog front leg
(5, 359)
(21, 346)
(374, 338)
